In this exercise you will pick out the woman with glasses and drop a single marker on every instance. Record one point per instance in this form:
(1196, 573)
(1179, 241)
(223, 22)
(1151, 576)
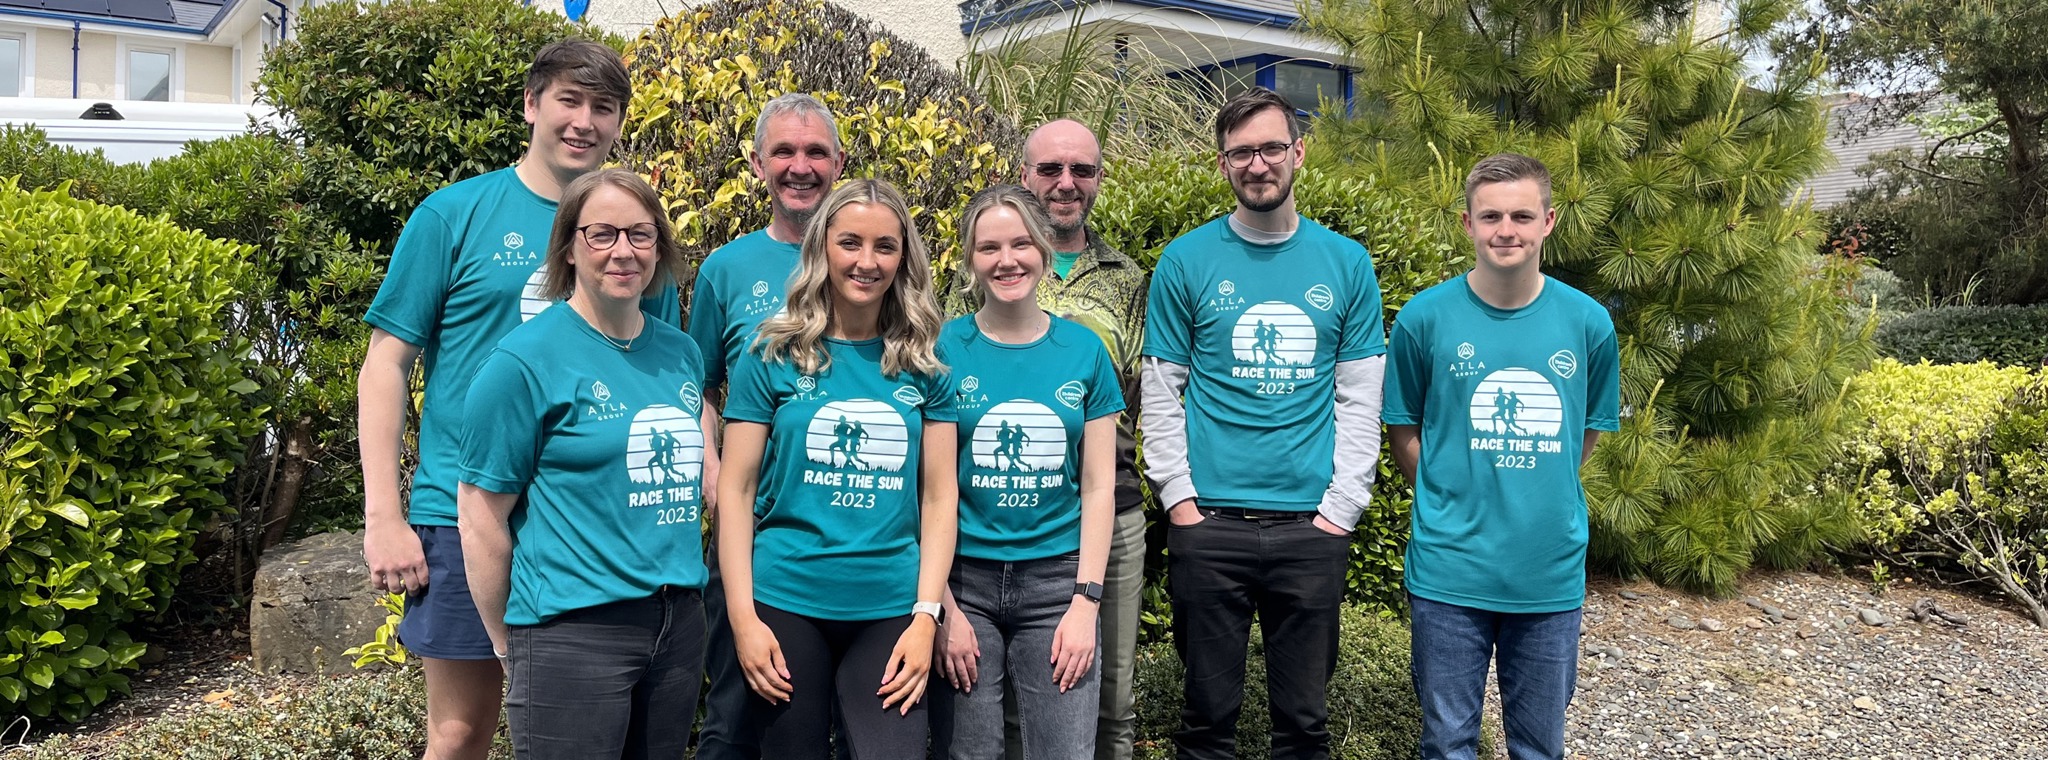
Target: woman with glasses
(1037, 398)
(582, 466)
(838, 494)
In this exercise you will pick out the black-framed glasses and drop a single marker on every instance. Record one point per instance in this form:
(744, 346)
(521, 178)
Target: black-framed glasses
(1051, 169)
(601, 236)
(1271, 153)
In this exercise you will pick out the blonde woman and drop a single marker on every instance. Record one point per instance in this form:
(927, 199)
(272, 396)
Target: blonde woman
(1037, 398)
(583, 464)
(839, 444)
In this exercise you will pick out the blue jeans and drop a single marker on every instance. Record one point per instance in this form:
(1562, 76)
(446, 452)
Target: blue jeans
(615, 680)
(1538, 656)
(1015, 608)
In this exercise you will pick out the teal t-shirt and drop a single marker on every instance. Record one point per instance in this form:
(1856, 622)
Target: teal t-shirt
(738, 286)
(1063, 262)
(467, 269)
(1504, 399)
(838, 497)
(1022, 409)
(1261, 329)
(604, 446)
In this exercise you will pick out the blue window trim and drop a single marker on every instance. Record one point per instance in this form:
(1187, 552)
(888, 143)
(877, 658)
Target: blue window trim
(1263, 74)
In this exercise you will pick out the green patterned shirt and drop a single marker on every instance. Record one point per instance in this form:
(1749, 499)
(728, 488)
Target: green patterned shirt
(1105, 292)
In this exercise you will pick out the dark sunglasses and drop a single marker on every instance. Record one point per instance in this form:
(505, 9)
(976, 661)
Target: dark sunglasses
(1051, 169)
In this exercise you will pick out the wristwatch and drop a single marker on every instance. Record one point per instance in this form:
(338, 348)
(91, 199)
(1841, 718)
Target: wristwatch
(1091, 591)
(934, 609)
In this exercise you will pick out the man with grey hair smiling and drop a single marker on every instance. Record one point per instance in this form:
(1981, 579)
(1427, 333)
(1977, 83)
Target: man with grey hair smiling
(798, 156)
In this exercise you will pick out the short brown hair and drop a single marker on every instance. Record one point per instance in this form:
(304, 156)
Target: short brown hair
(590, 65)
(1507, 167)
(668, 255)
(1241, 107)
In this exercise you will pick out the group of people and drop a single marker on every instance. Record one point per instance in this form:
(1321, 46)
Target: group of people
(926, 535)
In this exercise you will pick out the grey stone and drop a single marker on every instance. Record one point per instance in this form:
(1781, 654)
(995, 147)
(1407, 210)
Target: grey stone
(1681, 622)
(1631, 595)
(1711, 625)
(312, 602)
(1872, 617)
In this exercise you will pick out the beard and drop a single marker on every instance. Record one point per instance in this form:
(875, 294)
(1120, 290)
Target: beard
(1263, 205)
(800, 217)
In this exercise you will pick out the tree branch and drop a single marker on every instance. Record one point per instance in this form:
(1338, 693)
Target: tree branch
(1981, 129)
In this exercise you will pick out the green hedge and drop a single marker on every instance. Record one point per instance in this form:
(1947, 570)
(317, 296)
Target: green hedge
(122, 407)
(2012, 335)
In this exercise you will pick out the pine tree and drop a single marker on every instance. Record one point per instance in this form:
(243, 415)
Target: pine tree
(1676, 185)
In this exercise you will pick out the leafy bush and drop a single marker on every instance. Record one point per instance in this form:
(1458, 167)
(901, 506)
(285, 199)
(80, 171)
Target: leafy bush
(701, 76)
(26, 152)
(1948, 469)
(1374, 714)
(371, 716)
(124, 403)
(2009, 335)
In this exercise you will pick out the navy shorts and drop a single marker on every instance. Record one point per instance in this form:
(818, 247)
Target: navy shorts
(441, 621)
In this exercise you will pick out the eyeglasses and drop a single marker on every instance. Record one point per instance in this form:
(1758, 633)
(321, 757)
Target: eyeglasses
(1271, 153)
(1051, 169)
(603, 236)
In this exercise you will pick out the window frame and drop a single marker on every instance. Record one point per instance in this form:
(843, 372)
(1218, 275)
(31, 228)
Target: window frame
(124, 76)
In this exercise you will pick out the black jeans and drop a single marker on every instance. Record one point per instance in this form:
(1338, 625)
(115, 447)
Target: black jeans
(836, 662)
(726, 734)
(1288, 572)
(615, 680)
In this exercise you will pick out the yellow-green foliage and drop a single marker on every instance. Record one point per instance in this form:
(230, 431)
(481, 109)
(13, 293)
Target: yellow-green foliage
(1945, 468)
(701, 77)
(123, 403)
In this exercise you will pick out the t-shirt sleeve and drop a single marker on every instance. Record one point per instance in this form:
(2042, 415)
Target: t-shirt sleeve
(1168, 314)
(750, 392)
(1365, 329)
(408, 303)
(938, 398)
(504, 417)
(665, 305)
(1603, 381)
(1105, 390)
(1407, 376)
(707, 329)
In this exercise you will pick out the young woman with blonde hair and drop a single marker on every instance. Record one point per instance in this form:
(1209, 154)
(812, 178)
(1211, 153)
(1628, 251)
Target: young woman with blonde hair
(1037, 397)
(839, 480)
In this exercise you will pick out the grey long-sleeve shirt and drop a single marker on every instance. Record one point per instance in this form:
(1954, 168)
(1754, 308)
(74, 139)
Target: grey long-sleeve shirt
(1356, 462)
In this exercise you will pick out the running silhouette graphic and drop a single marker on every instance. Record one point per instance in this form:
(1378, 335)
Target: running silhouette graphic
(847, 440)
(1267, 340)
(662, 460)
(1010, 443)
(1507, 407)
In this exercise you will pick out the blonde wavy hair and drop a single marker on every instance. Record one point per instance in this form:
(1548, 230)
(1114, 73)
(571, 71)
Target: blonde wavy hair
(910, 319)
(1028, 208)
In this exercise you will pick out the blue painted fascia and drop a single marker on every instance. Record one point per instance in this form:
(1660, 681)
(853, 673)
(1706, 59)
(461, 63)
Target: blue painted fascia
(69, 18)
(1221, 10)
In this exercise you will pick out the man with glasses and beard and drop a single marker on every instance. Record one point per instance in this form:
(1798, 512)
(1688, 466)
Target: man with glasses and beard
(1264, 354)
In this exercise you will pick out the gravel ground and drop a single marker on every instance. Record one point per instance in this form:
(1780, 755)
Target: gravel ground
(1807, 666)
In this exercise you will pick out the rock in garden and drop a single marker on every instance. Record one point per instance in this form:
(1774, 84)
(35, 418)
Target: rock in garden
(1754, 624)
(1711, 625)
(312, 602)
(1866, 704)
(1631, 595)
(1872, 617)
(1681, 622)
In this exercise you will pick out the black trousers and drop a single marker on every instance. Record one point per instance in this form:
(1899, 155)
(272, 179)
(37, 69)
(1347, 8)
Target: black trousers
(1290, 574)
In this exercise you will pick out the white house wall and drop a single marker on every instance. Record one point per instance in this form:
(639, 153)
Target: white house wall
(209, 74)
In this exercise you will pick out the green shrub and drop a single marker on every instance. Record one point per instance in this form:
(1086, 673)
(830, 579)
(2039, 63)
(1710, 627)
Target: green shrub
(700, 78)
(1374, 714)
(1948, 470)
(124, 403)
(369, 716)
(2010, 335)
(26, 152)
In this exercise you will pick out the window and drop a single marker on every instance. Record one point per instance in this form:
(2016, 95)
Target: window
(149, 75)
(1308, 86)
(10, 66)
